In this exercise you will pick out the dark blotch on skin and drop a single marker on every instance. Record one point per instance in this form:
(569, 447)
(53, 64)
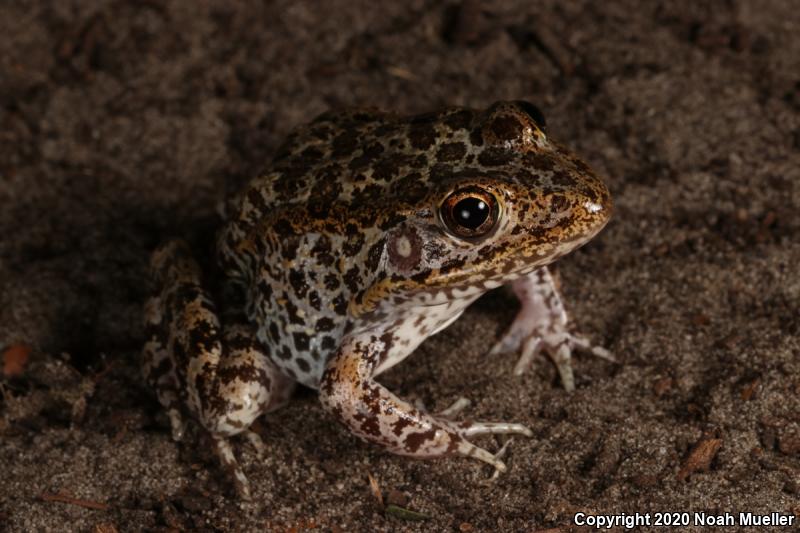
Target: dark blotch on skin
(289, 182)
(202, 337)
(388, 340)
(374, 255)
(370, 153)
(421, 276)
(340, 305)
(537, 161)
(476, 137)
(451, 151)
(325, 324)
(487, 253)
(346, 143)
(303, 365)
(322, 251)
(314, 300)
(332, 281)
(390, 166)
(495, 157)
(325, 192)
(352, 279)
(290, 247)
(264, 289)
(580, 166)
(297, 280)
(184, 295)
(422, 136)
(454, 264)
(368, 195)
(411, 188)
(399, 425)
(563, 179)
(391, 221)
(285, 353)
(257, 199)
(247, 373)
(292, 311)
(506, 128)
(283, 228)
(415, 440)
(354, 242)
(328, 343)
(370, 426)
(301, 341)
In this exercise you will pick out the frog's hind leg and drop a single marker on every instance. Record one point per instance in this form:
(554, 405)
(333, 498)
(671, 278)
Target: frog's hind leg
(159, 369)
(222, 375)
(542, 325)
(246, 384)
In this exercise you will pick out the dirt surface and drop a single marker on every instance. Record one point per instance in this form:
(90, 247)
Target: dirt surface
(124, 122)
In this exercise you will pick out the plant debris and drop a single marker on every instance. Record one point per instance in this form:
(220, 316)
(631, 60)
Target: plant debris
(405, 514)
(71, 500)
(15, 358)
(700, 457)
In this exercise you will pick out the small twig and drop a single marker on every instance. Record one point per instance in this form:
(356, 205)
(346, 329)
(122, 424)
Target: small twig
(375, 489)
(64, 498)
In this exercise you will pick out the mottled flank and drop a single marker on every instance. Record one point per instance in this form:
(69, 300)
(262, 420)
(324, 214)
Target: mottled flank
(369, 233)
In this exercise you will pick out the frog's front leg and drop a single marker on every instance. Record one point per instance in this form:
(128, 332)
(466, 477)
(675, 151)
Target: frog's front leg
(541, 325)
(220, 374)
(370, 411)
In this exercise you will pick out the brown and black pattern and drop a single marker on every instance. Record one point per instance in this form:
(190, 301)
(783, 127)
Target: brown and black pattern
(348, 259)
(218, 373)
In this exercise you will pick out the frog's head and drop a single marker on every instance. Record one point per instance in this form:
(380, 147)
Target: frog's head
(514, 202)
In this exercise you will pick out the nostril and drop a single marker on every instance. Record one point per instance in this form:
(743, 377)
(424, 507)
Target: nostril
(533, 112)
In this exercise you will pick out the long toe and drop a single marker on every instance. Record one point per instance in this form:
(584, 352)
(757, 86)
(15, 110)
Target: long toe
(583, 344)
(472, 429)
(467, 449)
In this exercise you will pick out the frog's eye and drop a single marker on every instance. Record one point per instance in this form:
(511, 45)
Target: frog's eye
(470, 212)
(533, 112)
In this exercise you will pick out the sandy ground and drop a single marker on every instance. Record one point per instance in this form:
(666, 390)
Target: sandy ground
(124, 122)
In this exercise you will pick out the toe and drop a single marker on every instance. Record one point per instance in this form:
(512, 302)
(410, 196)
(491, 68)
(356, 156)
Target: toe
(455, 408)
(467, 449)
(472, 429)
(562, 358)
(530, 349)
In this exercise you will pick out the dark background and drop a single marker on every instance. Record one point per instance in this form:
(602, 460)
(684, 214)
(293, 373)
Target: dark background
(125, 122)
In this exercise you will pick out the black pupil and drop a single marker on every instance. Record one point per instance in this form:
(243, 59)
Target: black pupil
(470, 213)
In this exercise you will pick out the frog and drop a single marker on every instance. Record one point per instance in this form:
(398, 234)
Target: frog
(369, 232)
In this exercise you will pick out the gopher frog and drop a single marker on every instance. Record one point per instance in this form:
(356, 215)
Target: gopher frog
(369, 233)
